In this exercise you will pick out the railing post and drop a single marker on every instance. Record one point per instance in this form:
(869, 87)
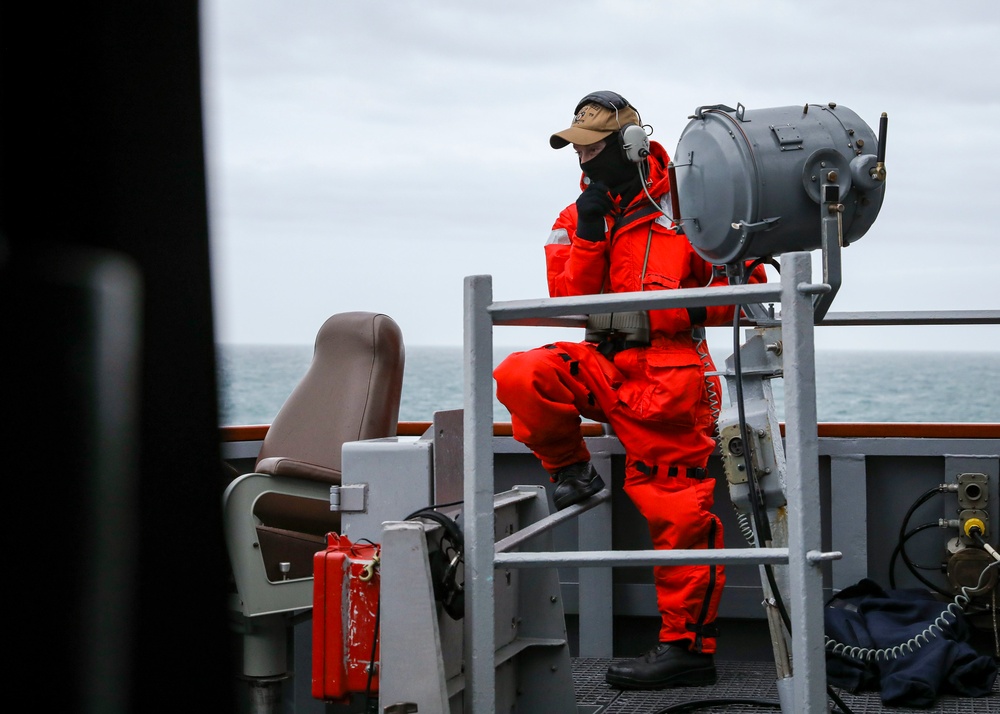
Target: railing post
(479, 637)
(802, 464)
(596, 603)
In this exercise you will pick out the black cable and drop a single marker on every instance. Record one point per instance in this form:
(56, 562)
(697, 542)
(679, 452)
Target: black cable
(757, 504)
(445, 561)
(976, 533)
(703, 703)
(756, 496)
(899, 546)
(371, 705)
(922, 499)
(837, 700)
(913, 570)
(432, 507)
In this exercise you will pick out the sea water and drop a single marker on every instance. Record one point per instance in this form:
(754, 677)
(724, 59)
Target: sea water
(851, 386)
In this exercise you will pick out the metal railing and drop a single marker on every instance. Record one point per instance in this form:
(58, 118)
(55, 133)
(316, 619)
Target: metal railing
(795, 293)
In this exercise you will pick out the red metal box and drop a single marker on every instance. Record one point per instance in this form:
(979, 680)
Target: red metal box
(345, 619)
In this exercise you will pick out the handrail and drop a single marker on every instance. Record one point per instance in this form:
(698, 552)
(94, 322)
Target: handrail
(832, 430)
(602, 558)
(912, 317)
(518, 312)
(908, 430)
(805, 582)
(549, 522)
(832, 319)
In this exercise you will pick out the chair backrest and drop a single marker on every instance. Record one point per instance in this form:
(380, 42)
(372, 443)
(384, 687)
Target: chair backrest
(351, 391)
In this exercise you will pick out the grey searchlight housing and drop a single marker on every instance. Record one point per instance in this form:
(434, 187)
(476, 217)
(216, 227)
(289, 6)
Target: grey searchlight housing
(757, 183)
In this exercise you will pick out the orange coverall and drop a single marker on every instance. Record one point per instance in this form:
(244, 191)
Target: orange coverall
(656, 398)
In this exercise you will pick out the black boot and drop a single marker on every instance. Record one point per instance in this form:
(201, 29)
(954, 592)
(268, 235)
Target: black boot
(669, 664)
(576, 483)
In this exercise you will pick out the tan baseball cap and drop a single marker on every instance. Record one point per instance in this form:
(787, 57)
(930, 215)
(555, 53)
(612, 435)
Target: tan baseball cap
(593, 123)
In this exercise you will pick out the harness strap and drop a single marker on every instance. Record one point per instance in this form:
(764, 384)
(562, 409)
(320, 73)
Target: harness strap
(636, 214)
(709, 629)
(689, 471)
(703, 629)
(612, 346)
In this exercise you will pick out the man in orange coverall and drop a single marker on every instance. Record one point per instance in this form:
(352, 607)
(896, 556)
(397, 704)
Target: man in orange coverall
(644, 377)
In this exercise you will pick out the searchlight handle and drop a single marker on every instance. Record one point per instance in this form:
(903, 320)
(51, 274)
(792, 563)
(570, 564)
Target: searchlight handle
(878, 172)
(675, 199)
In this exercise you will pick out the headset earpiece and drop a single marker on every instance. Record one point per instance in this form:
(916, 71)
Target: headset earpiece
(444, 562)
(635, 143)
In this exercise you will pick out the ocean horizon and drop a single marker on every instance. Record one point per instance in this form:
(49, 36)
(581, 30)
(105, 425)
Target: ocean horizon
(851, 385)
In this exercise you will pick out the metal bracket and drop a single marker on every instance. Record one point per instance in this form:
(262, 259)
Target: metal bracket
(352, 498)
(748, 228)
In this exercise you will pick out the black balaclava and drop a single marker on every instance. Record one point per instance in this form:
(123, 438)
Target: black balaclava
(614, 170)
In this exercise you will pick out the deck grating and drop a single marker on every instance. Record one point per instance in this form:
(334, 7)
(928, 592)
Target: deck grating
(739, 680)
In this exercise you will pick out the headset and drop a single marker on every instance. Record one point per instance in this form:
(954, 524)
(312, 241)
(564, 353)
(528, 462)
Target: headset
(635, 141)
(444, 562)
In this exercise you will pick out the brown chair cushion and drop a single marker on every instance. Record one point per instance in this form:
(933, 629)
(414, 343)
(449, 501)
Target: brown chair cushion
(351, 391)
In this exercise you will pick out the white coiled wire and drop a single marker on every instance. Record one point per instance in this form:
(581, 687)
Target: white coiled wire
(714, 399)
(866, 654)
(743, 521)
(715, 405)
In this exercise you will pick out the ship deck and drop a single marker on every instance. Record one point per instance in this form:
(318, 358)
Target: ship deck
(747, 680)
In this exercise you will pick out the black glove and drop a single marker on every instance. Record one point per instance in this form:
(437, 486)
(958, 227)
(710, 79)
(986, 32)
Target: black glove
(591, 207)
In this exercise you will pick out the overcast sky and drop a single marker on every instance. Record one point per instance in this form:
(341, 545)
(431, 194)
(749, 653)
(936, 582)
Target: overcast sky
(369, 155)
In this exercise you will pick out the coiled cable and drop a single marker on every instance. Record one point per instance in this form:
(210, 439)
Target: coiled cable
(744, 525)
(711, 383)
(756, 495)
(936, 628)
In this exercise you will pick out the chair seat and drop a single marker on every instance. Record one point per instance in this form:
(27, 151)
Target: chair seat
(294, 468)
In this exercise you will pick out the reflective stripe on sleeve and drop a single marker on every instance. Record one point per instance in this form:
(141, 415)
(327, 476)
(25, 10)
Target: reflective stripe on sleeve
(558, 237)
